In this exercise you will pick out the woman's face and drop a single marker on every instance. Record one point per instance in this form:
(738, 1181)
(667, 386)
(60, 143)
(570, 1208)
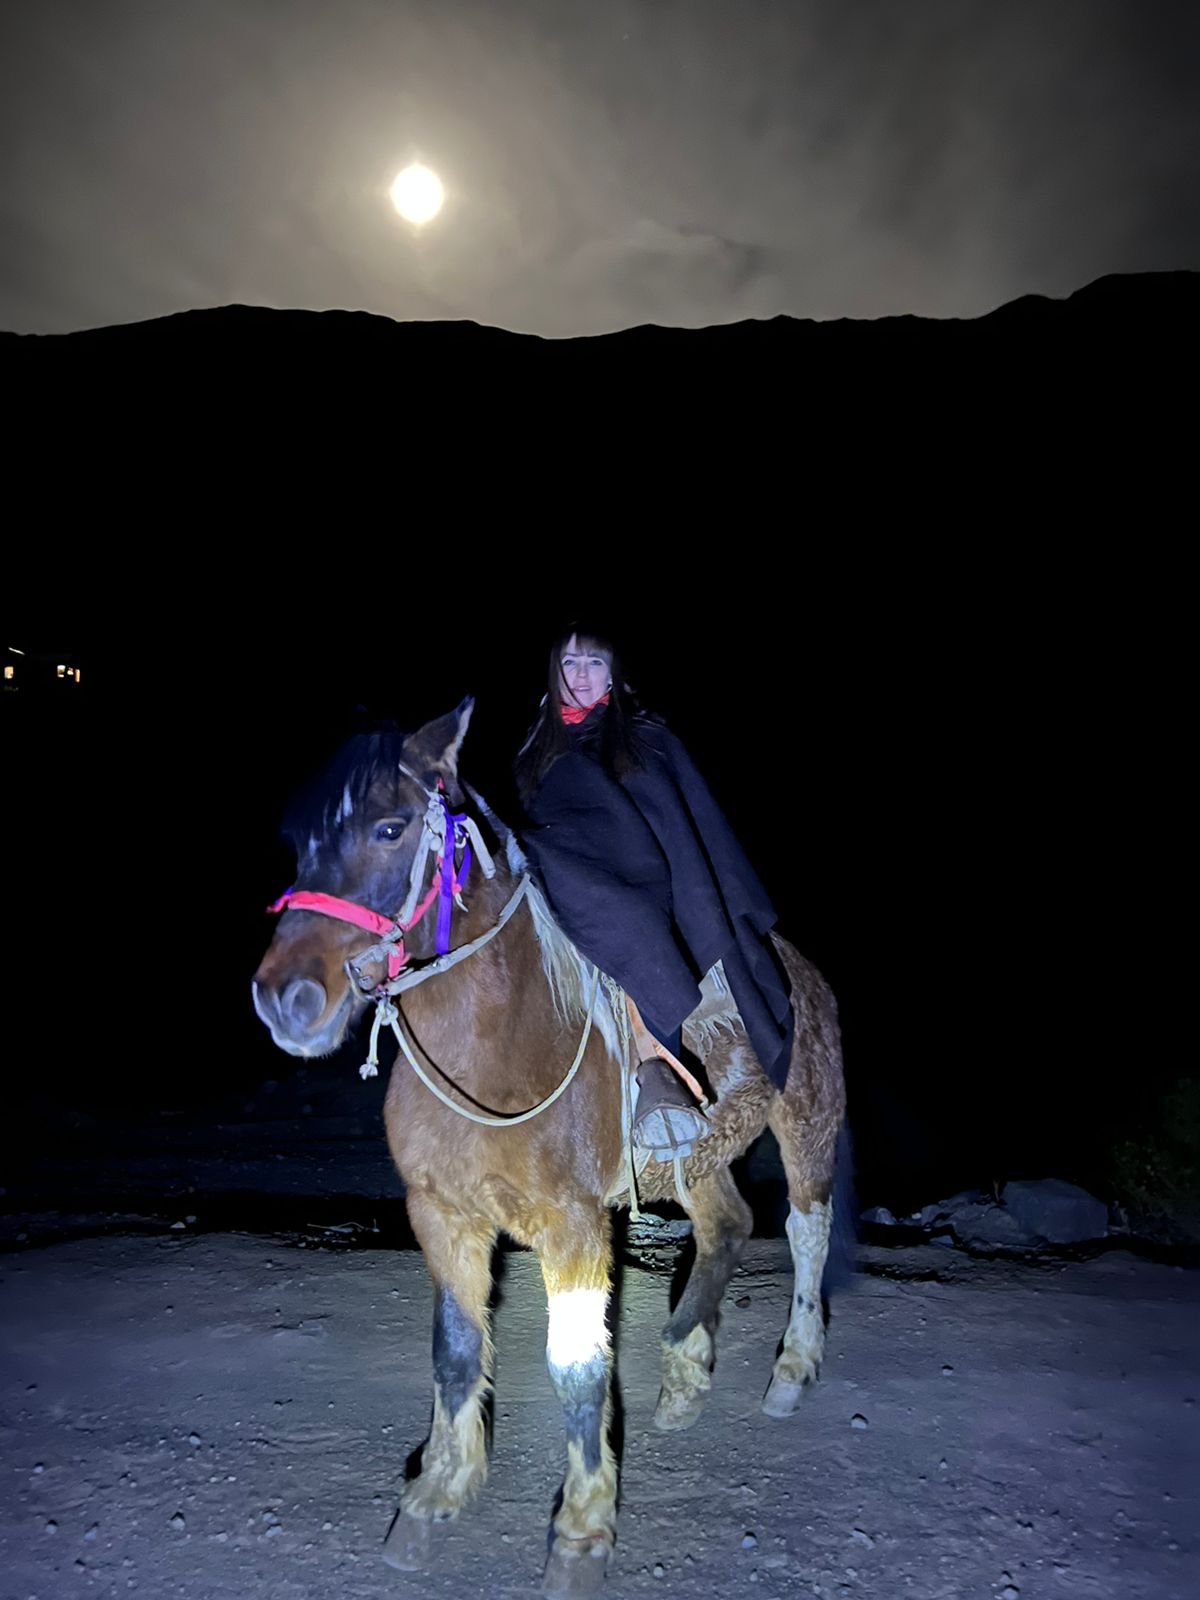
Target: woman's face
(586, 675)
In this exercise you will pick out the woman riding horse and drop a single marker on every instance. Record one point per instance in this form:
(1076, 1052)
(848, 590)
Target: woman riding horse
(490, 1128)
(645, 876)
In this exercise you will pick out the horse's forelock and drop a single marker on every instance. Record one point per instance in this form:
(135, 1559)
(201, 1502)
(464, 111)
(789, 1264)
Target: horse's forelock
(365, 772)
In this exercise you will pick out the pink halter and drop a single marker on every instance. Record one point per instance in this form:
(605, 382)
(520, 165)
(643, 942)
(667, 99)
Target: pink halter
(445, 885)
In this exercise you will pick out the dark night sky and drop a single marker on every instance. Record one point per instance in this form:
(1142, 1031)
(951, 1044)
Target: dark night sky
(681, 161)
(961, 778)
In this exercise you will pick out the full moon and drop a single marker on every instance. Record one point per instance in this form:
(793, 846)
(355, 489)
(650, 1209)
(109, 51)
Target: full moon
(417, 194)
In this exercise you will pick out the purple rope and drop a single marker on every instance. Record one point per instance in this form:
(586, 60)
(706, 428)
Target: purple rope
(441, 938)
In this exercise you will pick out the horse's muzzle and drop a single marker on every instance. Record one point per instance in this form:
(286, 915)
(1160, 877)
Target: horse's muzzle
(299, 1018)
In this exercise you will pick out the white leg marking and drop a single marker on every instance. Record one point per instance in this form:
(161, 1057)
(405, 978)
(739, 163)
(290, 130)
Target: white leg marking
(577, 1332)
(808, 1235)
(804, 1342)
(577, 1355)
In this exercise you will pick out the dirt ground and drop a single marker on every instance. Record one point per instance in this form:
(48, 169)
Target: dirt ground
(227, 1415)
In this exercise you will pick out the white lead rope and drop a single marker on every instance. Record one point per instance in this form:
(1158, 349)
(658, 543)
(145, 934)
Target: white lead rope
(386, 1011)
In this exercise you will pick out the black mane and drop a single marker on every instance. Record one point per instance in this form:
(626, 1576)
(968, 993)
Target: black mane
(365, 758)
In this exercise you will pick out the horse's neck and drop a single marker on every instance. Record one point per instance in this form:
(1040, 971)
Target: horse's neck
(486, 901)
(470, 1018)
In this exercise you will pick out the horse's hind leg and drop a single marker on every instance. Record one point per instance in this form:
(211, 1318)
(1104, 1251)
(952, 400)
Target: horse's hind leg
(721, 1224)
(458, 1252)
(576, 1258)
(807, 1138)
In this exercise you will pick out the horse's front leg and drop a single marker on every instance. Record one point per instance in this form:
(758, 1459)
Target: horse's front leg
(576, 1258)
(458, 1252)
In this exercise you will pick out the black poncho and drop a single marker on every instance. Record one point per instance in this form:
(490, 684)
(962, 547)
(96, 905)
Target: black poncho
(643, 874)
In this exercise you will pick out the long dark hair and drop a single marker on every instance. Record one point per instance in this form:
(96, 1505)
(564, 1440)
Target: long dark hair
(547, 739)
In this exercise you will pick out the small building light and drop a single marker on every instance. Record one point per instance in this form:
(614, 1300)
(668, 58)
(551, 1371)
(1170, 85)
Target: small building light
(62, 672)
(10, 673)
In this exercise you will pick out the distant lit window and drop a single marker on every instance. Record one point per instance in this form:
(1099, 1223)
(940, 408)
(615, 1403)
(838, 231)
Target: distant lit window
(76, 674)
(10, 673)
(62, 672)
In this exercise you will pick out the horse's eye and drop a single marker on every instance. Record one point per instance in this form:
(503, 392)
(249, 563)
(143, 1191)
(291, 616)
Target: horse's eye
(389, 831)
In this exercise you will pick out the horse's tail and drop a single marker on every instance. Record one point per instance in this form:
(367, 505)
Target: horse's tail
(841, 1262)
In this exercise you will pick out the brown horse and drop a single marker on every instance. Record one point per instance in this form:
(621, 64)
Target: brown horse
(497, 1032)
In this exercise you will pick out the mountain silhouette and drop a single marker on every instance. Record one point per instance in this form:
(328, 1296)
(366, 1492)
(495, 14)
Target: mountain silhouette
(1114, 308)
(1042, 411)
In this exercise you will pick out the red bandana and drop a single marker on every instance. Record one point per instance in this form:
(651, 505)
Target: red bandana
(574, 715)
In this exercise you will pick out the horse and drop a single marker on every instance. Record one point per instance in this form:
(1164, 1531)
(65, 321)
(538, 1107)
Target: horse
(510, 1111)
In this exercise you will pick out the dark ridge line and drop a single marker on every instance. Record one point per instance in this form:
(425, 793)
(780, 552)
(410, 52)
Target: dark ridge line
(1118, 296)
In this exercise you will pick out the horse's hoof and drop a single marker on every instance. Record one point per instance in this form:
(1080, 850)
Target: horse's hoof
(410, 1543)
(675, 1411)
(783, 1397)
(572, 1571)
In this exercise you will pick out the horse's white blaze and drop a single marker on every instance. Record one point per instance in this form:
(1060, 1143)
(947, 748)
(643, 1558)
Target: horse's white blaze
(577, 1329)
(808, 1236)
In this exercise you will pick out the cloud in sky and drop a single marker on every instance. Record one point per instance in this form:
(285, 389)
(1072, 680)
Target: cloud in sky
(681, 161)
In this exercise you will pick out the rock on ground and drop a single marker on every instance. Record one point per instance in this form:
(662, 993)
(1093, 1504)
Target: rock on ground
(1059, 1212)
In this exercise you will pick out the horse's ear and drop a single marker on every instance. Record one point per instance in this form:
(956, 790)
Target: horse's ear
(433, 750)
